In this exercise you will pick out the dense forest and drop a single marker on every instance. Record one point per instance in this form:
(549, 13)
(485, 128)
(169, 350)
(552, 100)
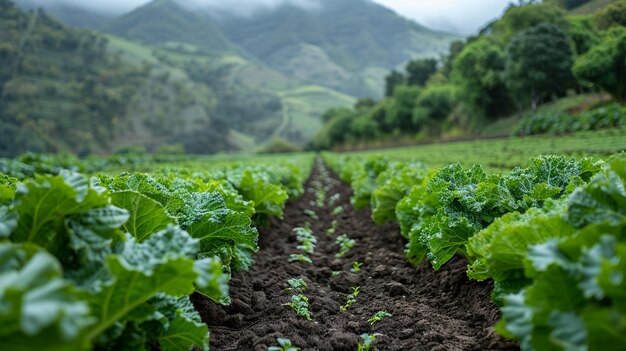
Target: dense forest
(536, 53)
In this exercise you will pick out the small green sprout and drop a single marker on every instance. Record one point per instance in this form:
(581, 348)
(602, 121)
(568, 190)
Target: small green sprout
(320, 197)
(311, 214)
(299, 257)
(335, 274)
(333, 199)
(378, 317)
(350, 299)
(285, 345)
(333, 228)
(296, 284)
(300, 304)
(356, 266)
(306, 239)
(337, 211)
(367, 342)
(345, 244)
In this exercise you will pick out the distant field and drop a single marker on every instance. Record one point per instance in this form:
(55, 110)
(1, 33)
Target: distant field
(506, 153)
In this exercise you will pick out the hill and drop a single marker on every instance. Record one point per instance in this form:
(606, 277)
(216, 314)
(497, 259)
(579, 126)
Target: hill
(348, 45)
(165, 21)
(64, 90)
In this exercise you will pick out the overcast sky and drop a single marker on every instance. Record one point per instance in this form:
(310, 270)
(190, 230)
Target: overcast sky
(460, 16)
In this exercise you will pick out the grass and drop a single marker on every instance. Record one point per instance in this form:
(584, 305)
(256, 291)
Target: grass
(569, 104)
(506, 153)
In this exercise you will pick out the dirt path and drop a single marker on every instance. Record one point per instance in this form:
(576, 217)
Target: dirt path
(432, 310)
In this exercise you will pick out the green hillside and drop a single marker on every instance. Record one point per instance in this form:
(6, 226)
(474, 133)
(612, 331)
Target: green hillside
(251, 98)
(164, 21)
(68, 90)
(348, 45)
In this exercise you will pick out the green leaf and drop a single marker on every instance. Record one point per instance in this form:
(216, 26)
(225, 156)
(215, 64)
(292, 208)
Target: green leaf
(161, 264)
(44, 203)
(147, 216)
(8, 222)
(38, 308)
(184, 332)
(603, 199)
(268, 198)
(221, 227)
(212, 282)
(500, 249)
(398, 181)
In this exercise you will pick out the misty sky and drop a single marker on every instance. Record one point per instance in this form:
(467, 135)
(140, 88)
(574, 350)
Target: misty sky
(460, 16)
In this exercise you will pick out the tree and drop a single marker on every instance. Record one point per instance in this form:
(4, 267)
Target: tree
(613, 15)
(605, 64)
(434, 104)
(539, 62)
(399, 114)
(392, 80)
(478, 71)
(519, 18)
(583, 33)
(418, 71)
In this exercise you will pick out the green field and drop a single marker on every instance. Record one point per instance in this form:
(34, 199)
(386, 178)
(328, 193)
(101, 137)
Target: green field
(506, 153)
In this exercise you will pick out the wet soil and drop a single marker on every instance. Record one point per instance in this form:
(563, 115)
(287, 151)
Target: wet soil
(432, 310)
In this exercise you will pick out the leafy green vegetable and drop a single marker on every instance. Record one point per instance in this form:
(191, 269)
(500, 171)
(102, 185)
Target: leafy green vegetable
(367, 342)
(285, 345)
(394, 184)
(380, 315)
(40, 309)
(350, 299)
(300, 257)
(147, 216)
(297, 284)
(300, 305)
(575, 300)
(345, 244)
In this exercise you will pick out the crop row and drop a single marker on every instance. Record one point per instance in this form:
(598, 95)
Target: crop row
(109, 261)
(552, 237)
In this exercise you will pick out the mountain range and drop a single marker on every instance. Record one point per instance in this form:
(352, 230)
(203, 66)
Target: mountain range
(263, 76)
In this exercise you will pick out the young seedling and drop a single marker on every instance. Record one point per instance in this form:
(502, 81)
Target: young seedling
(311, 214)
(333, 199)
(367, 342)
(297, 284)
(285, 345)
(320, 197)
(350, 299)
(335, 274)
(333, 228)
(378, 317)
(299, 257)
(306, 239)
(300, 304)
(345, 244)
(337, 211)
(356, 266)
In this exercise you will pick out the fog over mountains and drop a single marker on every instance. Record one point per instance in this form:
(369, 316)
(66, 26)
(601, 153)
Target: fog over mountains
(457, 16)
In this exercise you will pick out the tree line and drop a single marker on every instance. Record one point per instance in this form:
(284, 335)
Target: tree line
(535, 53)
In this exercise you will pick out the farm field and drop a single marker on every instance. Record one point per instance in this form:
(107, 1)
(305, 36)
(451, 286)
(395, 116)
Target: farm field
(245, 252)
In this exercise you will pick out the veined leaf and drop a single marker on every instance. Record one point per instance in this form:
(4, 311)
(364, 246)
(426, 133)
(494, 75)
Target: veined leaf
(161, 264)
(147, 216)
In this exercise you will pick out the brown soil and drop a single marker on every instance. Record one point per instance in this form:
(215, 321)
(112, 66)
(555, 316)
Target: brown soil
(432, 310)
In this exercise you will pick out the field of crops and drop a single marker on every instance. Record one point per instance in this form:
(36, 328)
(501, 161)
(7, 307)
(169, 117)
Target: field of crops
(462, 246)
